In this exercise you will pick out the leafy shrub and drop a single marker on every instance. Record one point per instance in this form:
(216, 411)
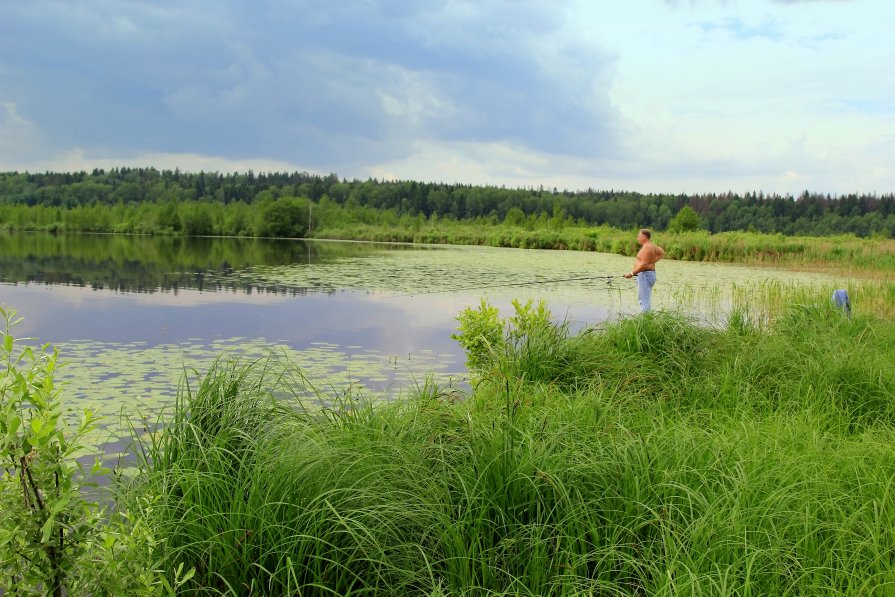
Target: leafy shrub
(52, 539)
(526, 345)
(286, 217)
(480, 333)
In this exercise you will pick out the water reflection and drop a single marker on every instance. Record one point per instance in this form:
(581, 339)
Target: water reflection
(152, 264)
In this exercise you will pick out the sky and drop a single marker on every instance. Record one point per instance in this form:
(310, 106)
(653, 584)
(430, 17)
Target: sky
(689, 96)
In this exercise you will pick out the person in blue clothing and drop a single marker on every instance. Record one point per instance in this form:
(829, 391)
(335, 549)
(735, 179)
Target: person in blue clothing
(645, 268)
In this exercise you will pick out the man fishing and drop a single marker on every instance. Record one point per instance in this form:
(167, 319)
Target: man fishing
(645, 268)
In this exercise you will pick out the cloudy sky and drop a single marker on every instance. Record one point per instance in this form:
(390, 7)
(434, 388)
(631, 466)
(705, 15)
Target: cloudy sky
(646, 95)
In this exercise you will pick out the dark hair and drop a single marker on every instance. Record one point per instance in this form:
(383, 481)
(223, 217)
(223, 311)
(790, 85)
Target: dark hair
(645, 232)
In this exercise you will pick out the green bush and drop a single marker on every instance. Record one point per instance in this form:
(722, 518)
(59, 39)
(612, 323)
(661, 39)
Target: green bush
(286, 217)
(480, 333)
(53, 541)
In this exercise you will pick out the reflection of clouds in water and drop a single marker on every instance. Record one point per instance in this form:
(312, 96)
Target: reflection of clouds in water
(81, 296)
(581, 304)
(23, 296)
(140, 381)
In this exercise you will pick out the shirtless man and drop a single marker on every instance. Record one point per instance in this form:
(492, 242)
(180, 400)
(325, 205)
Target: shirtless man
(645, 268)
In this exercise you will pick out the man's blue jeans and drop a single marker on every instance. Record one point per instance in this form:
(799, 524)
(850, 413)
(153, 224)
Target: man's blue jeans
(645, 283)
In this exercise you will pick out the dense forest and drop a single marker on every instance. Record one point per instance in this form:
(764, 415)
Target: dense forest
(280, 204)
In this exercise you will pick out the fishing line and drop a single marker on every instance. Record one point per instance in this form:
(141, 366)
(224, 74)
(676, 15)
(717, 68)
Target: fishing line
(607, 279)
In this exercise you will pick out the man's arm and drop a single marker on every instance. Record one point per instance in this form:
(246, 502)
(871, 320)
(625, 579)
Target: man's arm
(660, 253)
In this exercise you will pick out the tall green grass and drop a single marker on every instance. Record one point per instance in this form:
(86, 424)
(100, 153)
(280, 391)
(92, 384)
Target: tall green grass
(768, 300)
(651, 456)
(867, 257)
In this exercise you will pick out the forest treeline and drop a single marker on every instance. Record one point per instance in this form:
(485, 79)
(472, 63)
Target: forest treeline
(149, 200)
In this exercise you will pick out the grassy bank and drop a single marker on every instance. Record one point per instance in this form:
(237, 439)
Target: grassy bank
(651, 456)
(873, 258)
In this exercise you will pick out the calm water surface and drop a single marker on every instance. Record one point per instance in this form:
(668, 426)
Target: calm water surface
(130, 314)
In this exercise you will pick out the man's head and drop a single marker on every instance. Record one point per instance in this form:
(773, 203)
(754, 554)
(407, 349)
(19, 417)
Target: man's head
(643, 236)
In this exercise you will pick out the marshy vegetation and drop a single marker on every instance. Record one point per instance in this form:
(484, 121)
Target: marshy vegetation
(650, 456)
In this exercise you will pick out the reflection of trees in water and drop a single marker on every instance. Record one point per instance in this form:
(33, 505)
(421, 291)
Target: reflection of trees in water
(152, 263)
(186, 284)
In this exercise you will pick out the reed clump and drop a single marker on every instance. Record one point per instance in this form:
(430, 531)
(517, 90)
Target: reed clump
(650, 456)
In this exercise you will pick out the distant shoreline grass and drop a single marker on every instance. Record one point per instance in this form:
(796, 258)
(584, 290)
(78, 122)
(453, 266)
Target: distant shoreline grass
(650, 456)
(872, 258)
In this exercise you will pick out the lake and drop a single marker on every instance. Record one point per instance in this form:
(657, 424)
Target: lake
(131, 314)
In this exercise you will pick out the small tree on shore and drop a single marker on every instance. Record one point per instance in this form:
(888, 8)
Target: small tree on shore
(686, 220)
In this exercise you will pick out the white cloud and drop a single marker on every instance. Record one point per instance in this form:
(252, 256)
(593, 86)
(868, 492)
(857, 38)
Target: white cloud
(19, 138)
(703, 96)
(285, 79)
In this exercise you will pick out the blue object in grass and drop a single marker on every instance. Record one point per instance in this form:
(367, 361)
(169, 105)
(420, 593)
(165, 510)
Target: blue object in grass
(841, 300)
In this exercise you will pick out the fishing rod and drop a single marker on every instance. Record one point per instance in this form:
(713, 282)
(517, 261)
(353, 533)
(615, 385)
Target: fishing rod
(607, 279)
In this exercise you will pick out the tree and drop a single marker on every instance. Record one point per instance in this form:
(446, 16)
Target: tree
(515, 217)
(286, 217)
(169, 217)
(197, 220)
(686, 220)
